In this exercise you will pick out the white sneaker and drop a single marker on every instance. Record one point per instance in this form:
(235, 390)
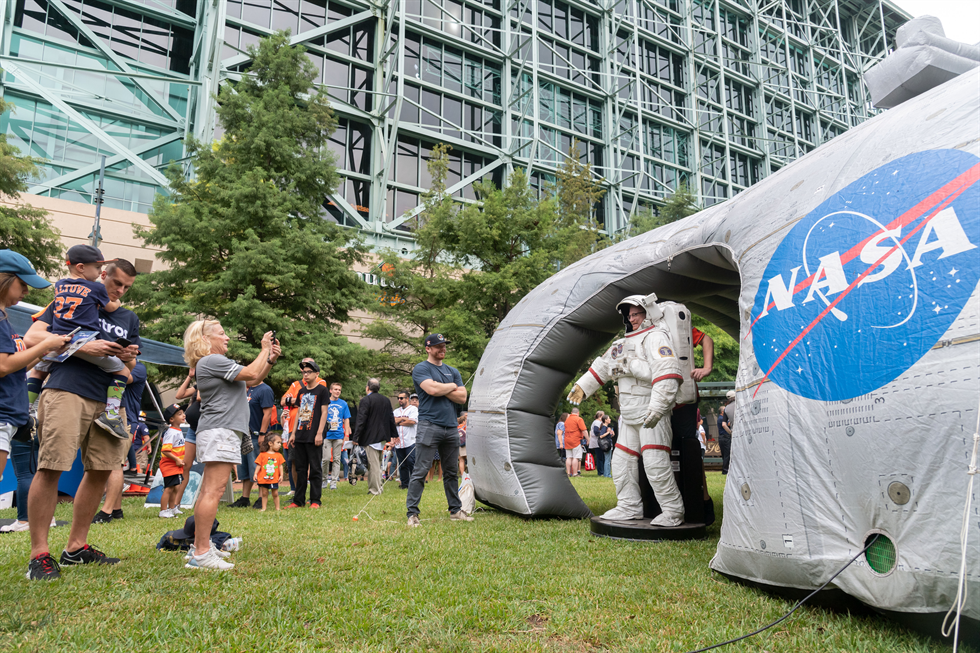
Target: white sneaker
(177, 511)
(210, 560)
(54, 523)
(664, 519)
(333, 485)
(167, 514)
(15, 527)
(621, 514)
(224, 555)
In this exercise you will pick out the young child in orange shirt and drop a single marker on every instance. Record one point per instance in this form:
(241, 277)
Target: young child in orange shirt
(268, 469)
(172, 461)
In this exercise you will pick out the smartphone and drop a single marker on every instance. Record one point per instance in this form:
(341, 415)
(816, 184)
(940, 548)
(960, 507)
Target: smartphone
(273, 337)
(122, 342)
(73, 332)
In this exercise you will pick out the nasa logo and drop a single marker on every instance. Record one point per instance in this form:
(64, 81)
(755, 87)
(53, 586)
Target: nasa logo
(616, 351)
(862, 287)
(666, 352)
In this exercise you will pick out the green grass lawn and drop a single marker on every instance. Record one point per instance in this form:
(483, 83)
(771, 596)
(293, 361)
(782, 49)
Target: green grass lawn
(318, 581)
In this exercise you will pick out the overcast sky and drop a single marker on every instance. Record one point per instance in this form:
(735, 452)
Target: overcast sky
(961, 18)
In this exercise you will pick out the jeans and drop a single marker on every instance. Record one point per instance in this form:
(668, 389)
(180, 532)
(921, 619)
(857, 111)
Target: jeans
(725, 444)
(246, 469)
(430, 439)
(23, 455)
(344, 456)
(600, 460)
(406, 464)
(309, 460)
(607, 460)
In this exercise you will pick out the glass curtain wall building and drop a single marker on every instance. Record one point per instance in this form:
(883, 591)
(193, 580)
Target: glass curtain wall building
(716, 94)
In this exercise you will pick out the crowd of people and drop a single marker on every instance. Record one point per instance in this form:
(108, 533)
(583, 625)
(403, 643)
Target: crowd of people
(230, 424)
(89, 401)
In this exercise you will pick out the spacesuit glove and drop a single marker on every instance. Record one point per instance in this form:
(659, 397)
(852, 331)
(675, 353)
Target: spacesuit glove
(576, 395)
(651, 417)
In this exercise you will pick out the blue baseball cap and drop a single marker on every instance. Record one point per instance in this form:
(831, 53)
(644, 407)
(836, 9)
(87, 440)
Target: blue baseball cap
(17, 264)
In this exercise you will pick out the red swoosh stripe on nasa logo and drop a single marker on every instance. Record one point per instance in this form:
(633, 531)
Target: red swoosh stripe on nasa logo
(957, 185)
(854, 284)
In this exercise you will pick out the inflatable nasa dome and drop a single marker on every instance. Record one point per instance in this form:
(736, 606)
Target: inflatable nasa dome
(850, 279)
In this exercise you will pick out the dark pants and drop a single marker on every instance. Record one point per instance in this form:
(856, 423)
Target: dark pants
(289, 469)
(23, 455)
(406, 465)
(725, 444)
(430, 439)
(600, 459)
(309, 467)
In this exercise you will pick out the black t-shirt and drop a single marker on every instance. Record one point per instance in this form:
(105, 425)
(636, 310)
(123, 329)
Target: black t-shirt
(84, 379)
(311, 403)
(193, 412)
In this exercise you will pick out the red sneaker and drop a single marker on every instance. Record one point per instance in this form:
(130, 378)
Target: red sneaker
(315, 505)
(292, 505)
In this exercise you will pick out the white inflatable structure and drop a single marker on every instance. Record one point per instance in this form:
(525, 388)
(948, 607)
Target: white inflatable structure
(850, 279)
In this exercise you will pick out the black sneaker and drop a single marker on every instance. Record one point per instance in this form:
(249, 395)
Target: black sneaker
(43, 568)
(102, 518)
(242, 502)
(117, 514)
(258, 504)
(85, 556)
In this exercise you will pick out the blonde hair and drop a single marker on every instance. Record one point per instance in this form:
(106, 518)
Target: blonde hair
(196, 342)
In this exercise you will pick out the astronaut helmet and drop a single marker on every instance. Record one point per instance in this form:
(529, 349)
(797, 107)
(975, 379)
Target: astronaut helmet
(647, 302)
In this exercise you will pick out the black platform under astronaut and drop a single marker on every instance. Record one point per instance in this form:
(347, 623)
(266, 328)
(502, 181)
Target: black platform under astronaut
(699, 510)
(641, 530)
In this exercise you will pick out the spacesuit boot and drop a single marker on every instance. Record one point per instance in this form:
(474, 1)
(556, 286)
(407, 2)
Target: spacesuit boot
(626, 477)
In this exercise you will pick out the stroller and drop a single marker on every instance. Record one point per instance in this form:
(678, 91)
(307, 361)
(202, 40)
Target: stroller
(357, 464)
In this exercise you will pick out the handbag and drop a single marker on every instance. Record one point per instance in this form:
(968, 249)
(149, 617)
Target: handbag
(606, 443)
(247, 444)
(589, 463)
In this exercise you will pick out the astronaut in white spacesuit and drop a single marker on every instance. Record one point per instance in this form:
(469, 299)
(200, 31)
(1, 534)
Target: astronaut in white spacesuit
(649, 375)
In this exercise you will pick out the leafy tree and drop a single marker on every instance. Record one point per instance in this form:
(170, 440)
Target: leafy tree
(474, 263)
(247, 242)
(679, 205)
(420, 295)
(23, 228)
(576, 194)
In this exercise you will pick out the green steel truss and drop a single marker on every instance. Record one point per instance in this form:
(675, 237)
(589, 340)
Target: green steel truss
(716, 94)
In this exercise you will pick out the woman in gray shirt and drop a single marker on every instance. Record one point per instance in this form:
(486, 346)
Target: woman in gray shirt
(224, 421)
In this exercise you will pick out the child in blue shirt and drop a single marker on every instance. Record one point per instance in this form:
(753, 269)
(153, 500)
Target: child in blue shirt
(77, 299)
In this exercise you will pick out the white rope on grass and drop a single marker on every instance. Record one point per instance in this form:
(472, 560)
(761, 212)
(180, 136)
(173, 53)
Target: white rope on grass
(374, 496)
(957, 608)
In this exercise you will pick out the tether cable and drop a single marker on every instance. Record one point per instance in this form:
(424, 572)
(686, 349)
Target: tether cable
(795, 607)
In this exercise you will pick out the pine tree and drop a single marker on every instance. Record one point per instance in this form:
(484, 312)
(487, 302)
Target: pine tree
(247, 241)
(24, 228)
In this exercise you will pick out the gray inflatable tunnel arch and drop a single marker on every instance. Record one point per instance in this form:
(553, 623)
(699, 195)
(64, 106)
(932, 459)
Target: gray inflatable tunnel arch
(560, 325)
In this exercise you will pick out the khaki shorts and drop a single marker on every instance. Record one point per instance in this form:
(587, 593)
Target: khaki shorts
(219, 446)
(66, 423)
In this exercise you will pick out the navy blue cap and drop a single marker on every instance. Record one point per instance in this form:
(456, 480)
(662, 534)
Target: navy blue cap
(84, 254)
(435, 339)
(17, 264)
